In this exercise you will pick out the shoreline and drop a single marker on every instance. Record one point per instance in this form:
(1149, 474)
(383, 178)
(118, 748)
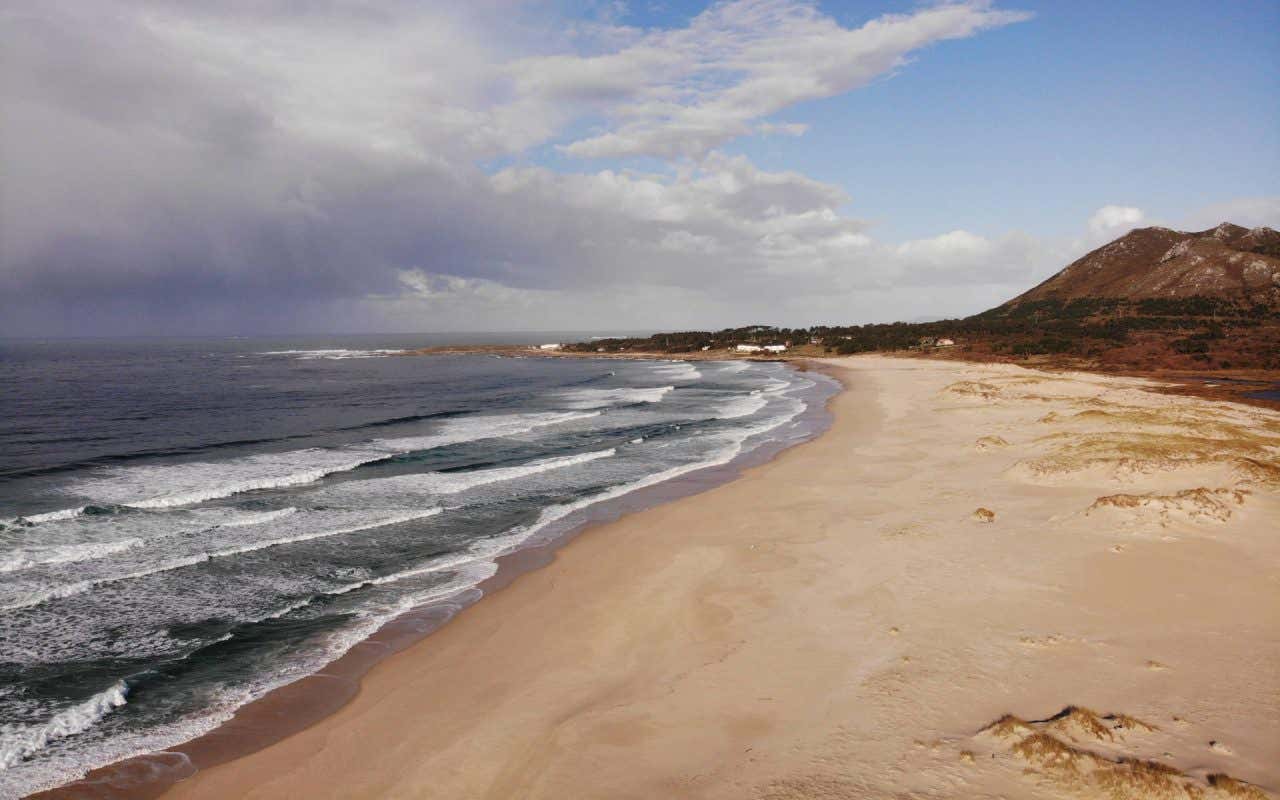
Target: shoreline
(843, 621)
(294, 707)
(1256, 387)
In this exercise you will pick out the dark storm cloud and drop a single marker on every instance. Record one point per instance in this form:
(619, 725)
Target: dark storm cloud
(228, 166)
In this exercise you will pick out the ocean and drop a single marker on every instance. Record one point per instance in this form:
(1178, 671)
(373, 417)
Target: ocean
(187, 524)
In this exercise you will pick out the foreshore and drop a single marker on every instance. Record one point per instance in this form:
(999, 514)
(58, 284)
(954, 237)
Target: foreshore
(1256, 387)
(533, 351)
(1086, 564)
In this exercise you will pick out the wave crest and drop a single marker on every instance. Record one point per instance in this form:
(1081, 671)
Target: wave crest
(18, 742)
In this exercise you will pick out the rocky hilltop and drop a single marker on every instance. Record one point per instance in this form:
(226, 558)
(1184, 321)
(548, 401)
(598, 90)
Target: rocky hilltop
(1155, 302)
(1228, 262)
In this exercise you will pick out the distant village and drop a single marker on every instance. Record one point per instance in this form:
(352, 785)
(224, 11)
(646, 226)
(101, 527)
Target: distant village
(755, 340)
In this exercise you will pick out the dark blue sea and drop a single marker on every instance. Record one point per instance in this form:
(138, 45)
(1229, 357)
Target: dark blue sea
(187, 524)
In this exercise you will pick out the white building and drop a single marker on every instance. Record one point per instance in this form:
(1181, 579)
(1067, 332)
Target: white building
(776, 348)
(945, 343)
(749, 348)
(549, 347)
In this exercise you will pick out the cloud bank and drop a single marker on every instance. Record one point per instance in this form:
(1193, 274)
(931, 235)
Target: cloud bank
(235, 166)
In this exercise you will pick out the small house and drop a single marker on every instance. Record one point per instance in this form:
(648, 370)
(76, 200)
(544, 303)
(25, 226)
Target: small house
(945, 343)
(549, 346)
(776, 348)
(749, 348)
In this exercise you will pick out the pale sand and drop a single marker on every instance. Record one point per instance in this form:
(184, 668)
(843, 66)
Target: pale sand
(836, 623)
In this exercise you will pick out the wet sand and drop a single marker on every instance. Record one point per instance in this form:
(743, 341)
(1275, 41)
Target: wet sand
(843, 621)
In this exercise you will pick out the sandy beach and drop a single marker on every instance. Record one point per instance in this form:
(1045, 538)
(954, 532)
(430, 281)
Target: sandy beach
(982, 581)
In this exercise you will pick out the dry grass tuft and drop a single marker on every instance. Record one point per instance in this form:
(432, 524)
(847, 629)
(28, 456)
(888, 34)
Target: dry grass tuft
(1007, 727)
(990, 443)
(984, 515)
(986, 391)
(1077, 720)
(1231, 787)
(1137, 779)
(1264, 472)
(1051, 752)
(1141, 453)
(1198, 504)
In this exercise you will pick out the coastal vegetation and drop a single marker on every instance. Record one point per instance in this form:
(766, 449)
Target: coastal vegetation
(1154, 299)
(1178, 333)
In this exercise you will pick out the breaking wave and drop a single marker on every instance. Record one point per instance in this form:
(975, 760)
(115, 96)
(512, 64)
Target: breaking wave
(603, 398)
(440, 483)
(34, 598)
(678, 371)
(25, 558)
(172, 485)
(335, 354)
(18, 742)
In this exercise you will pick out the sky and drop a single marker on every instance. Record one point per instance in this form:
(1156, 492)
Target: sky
(240, 167)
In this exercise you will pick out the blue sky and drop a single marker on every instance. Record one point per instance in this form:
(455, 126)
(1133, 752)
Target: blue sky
(1168, 106)
(427, 165)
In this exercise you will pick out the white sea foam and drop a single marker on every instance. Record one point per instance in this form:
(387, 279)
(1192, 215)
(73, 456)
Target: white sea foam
(470, 429)
(69, 540)
(381, 522)
(734, 441)
(27, 557)
(415, 486)
(603, 398)
(742, 407)
(51, 772)
(166, 486)
(52, 516)
(21, 741)
(25, 598)
(677, 371)
(335, 354)
(258, 519)
(172, 485)
(475, 565)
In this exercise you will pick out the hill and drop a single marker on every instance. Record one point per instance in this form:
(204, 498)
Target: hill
(1153, 302)
(1225, 263)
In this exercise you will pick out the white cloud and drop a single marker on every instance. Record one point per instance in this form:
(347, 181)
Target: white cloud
(685, 92)
(782, 128)
(1110, 221)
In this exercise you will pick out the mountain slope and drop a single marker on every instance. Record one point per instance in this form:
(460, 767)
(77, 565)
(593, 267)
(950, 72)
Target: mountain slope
(1224, 263)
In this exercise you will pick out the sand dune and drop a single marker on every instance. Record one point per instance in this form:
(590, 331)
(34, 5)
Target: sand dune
(1093, 755)
(1193, 505)
(836, 624)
